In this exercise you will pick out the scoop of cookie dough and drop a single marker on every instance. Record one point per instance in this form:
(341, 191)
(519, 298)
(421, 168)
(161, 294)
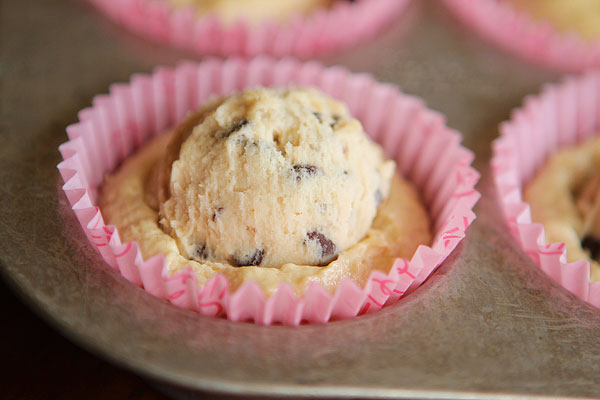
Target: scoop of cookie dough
(272, 176)
(253, 11)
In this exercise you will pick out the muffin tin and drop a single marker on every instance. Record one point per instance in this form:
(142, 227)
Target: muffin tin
(487, 324)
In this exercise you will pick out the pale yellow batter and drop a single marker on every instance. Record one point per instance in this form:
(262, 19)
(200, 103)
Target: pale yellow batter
(253, 11)
(562, 197)
(577, 16)
(214, 151)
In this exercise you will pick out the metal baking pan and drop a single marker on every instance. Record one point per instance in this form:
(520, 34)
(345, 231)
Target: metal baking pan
(487, 324)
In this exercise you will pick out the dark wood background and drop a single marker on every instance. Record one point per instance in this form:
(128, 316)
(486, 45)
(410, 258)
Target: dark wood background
(39, 363)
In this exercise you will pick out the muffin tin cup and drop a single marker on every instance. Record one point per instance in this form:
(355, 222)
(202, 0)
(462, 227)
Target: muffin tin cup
(562, 115)
(426, 151)
(323, 31)
(531, 40)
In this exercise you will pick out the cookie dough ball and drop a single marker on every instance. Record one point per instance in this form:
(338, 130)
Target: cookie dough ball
(577, 16)
(273, 176)
(254, 11)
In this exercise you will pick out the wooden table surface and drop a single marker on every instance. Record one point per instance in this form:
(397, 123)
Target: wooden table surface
(42, 364)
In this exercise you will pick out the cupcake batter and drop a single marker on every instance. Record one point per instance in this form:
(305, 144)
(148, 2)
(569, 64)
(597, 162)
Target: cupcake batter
(269, 186)
(565, 197)
(581, 17)
(254, 11)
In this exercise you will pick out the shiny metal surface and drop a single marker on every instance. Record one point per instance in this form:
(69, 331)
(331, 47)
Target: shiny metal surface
(487, 324)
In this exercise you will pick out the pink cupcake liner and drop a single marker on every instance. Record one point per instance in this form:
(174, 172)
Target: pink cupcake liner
(427, 152)
(531, 40)
(560, 116)
(325, 30)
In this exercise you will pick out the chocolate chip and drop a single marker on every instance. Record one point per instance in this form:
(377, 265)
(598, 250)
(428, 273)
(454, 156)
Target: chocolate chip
(305, 170)
(237, 125)
(592, 244)
(241, 140)
(336, 119)
(319, 116)
(218, 211)
(327, 246)
(201, 252)
(254, 258)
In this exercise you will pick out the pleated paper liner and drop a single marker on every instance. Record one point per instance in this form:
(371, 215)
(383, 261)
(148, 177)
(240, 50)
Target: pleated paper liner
(534, 41)
(562, 115)
(323, 31)
(427, 152)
